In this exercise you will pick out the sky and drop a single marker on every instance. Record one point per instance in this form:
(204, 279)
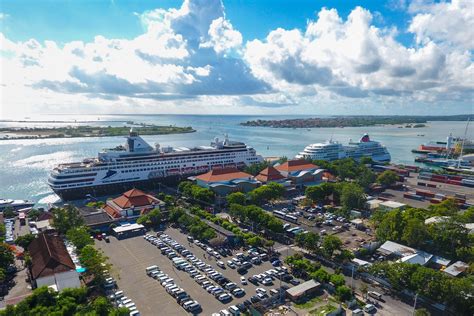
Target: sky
(236, 57)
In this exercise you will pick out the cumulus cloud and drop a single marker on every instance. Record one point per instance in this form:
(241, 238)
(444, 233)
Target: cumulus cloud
(222, 36)
(193, 58)
(352, 58)
(182, 54)
(451, 22)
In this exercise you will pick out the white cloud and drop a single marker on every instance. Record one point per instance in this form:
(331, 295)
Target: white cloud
(355, 59)
(191, 59)
(223, 37)
(451, 22)
(181, 55)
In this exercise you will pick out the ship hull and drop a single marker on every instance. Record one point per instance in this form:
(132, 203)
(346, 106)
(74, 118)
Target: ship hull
(97, 191)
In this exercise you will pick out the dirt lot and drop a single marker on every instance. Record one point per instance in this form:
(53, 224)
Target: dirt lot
(130, 257)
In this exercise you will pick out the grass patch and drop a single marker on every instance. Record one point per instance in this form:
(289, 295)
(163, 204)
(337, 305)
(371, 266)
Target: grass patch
(309, 304)
(323, 310)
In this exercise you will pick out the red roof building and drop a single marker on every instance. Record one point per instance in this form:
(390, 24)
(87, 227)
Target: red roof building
(293, 166)
(226, 180)
(132, 203)
(301, 172)
(51, 264)
(270, 174)
(222, 175)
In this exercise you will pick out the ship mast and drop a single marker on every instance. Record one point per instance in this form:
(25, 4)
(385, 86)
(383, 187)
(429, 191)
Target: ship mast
(462, 143)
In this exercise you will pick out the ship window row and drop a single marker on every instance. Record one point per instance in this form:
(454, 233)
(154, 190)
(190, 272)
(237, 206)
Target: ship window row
(174, 166)
(168, 163)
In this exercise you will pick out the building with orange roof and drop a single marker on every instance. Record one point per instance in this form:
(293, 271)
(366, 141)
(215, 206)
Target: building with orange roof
(131, 204)
(301, 172)
(270, 174)
(226, 180)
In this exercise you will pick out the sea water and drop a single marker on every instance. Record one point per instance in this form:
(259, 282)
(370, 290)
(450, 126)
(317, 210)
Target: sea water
(25, 164)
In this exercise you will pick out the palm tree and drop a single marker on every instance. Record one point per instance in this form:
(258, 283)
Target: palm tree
(364, 289)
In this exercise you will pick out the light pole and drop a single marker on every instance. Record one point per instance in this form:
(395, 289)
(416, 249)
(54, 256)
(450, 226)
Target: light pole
(414, 304)
(352, 278)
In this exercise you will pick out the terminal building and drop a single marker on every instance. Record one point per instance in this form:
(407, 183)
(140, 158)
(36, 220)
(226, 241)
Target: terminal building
(226, 180)
(131, 204)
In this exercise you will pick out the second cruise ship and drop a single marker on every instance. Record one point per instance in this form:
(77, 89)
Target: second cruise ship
(332, 150)
(139, 164)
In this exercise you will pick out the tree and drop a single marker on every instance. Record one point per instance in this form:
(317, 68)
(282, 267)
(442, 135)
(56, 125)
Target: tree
(185, 188)
(6, 256)
(169, 200)
(467, 216)
(364, 289)
(152, 218)
(8, 213)
(236, 198)
(448, 236)
(391, 227)
(343, 293)
(202, 194)
(308, 241)
(217, 242)
(95, 262)
(2, 232)
(330, 244)
(80, 237)
(321, 275)
(33, 214)
(25, 240)
(266, 193)
(45, 301)
(337, 280)
(101, 306)
(387, 178)
(66, 218)
(422, 312)
(447, 207)
(255, 241)
(316, 193)
(366, 177)
(352, 197)
(415, 233)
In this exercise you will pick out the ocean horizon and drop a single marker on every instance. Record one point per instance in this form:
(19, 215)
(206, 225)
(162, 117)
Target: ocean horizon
(25, 164)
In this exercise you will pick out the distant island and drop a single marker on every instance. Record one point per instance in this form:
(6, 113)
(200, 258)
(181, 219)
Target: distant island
(354, 121)
(89, 131)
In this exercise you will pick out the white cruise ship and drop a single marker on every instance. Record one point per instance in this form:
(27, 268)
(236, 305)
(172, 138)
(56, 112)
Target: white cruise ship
(332, 150)
(137, 164)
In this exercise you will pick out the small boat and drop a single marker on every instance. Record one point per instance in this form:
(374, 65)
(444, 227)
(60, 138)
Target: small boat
(15, 204)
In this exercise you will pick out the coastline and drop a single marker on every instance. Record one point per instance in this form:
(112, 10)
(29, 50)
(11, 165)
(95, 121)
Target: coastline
(88, 131)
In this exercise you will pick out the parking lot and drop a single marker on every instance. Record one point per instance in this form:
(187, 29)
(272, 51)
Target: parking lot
(130, 257)
(351, 237)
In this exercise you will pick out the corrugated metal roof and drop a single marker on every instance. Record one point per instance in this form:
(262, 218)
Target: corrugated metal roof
(303, 288)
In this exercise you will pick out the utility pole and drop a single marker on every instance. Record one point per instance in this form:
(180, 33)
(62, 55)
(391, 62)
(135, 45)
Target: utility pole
(414, 305)
(352, 279)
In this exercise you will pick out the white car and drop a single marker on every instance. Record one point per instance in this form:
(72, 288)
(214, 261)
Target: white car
(267, 281)
(260, 290)
(243, 280)
(224, 297)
